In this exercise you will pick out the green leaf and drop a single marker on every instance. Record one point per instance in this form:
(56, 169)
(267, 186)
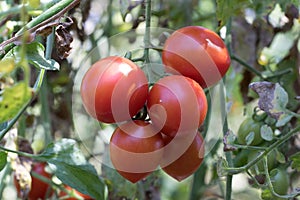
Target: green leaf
(249, 138)
(275, 17)
(3, 160)
(295, 158)
(266, 133)
(12, 100)
(283, 119)
(3, 126)
(7, 65)
(35, 56)
(228, 8)
(281, 45)
(280, 157)
(83, 178)
(71, 167)
(64, 150)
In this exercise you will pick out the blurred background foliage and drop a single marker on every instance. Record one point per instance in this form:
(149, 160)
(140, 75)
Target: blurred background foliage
(265, 34)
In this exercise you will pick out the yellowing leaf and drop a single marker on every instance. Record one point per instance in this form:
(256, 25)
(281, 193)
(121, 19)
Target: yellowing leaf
(6, 66)
(12, 100)
(34, 3)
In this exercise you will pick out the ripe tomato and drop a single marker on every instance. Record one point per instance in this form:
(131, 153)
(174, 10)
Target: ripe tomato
(114, 89)
(248, 126)
(136, 149)
(182, 155)
(198, 53)
(75, 193)
(177, 104)
(39, 189)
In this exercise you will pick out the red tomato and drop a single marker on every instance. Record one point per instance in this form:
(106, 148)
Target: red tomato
(136, 149)
(76, 194)
(39, 189)
(177, 104)
(198, 53)
(182, 155)
(114, 89)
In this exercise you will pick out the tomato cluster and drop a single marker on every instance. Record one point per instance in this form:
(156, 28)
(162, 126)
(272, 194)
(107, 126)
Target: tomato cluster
(114, 90)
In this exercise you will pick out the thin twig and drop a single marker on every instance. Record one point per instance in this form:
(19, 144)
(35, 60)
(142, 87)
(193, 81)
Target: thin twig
(20, 33)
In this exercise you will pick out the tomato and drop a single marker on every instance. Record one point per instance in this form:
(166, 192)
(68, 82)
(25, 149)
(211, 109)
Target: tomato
(280, 181)
(114, 89)
(75, 194)
(182, 155)
(260, 165)
(39, 189)
(198, 53)
(177, 104)
(136, 149)
(248, 126)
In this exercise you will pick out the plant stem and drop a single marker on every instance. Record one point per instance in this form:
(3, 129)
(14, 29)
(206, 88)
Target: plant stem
(224, 114)
(43, 95)
(147, 31)
(247, 66)
(51, 14)
(199, 176)
(273, 146)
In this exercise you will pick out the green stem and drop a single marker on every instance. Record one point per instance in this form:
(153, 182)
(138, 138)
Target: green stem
(199, 176)
(273, 146)
(224, 115)
(147, 31)
(28, 155)
(247, 66)
(51, 14)
(43, 95)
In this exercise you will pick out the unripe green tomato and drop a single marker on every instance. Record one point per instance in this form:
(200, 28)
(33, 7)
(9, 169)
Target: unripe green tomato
(248, 126)
(280, 181)
(260, 165)
(241, 158)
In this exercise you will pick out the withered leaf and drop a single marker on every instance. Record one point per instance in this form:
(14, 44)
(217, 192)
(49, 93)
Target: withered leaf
(272, 98)
(63, 40)
(228, 141)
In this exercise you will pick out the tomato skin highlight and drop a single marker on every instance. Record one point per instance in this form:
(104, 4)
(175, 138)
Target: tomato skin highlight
(62, 194)
(189, 154)
(114, 89)
(39, 188)
(198, 53)
(173, 101)
(136, 149)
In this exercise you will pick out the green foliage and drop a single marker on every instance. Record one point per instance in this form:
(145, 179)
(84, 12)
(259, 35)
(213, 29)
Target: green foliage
(295, 158)
(229, 8)
(72, 169)
(35, 56)
(13, 99)
(3, 160)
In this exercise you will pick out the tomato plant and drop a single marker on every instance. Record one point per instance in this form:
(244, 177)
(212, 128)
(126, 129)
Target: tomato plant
(182, 155)
(173, 101)
(109, 80)
(39, 189)
(249, 126)
(198, 53)
(74, 194)
(136, 149)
